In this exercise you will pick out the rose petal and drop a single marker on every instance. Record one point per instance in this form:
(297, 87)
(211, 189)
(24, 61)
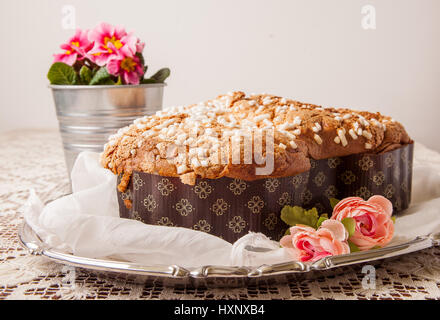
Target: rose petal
(301, 228)
(336, 228)
(383, 203)
(286, 241)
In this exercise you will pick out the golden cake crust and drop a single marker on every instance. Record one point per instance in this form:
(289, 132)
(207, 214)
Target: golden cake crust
(204, 140)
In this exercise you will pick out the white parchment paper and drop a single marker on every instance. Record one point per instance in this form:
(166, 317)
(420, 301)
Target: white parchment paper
(87, 223)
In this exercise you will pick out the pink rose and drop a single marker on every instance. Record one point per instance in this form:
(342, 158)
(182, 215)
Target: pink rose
(307, 244)
(374, 226)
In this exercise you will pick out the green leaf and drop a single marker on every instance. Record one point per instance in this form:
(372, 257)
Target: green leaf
(353, 247)
(334, 202)
(161, 75)
(350, 225)
(393, 218)
(149, 80)
(119, 82)
(287, 232)
(297, 215)
(107, 82)
(321, 219)
(85, 74)
(62, 74)
(141, 57)
(376, 247)
(101, 77)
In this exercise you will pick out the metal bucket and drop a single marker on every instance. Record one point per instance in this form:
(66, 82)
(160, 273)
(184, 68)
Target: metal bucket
(88, 115)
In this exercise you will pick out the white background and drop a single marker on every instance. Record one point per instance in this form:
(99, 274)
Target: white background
(312, 50)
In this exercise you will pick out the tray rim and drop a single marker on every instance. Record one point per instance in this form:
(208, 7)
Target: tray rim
(30, 240)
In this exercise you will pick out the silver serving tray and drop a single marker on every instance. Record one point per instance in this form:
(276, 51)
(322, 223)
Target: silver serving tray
(219, 275)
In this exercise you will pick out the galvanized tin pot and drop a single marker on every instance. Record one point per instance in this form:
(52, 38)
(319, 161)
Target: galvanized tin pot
(87, 115)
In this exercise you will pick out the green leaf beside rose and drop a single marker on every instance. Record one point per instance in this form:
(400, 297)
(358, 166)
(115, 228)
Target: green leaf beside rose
(353, 247)
(321, 219)
(333, 202)
(350, 225)
(297, 215)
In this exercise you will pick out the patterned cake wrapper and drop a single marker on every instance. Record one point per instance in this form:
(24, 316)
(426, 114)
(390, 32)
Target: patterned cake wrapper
(230, 208)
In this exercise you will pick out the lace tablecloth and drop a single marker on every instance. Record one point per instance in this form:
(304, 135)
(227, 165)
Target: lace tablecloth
(34, 159)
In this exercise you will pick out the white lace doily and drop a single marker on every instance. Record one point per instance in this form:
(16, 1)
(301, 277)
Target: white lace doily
(34, 159)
